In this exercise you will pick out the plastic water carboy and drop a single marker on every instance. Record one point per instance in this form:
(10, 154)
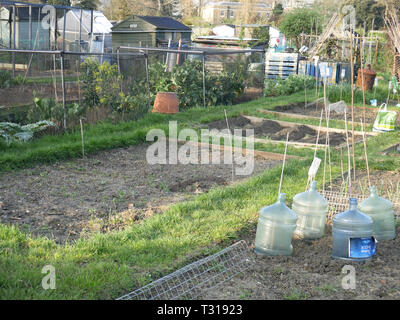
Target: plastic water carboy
(275, 229)
(352, 233)
(381, 212)
(311, 209)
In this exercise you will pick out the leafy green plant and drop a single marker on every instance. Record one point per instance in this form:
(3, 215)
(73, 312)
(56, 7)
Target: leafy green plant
(101, 86)
(132, 106)
(45, 109)
(107, 80)
(187, 81)
(158, 77)
(19, 80)
(5, 79)
(88, 70)
(293, 83)
(10, 132)
(49, 109)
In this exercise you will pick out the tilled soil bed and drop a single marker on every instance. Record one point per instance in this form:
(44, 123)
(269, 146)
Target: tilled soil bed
(386, 182)
(275, 131)
(314, 110)
(78, 198)
(311, 273)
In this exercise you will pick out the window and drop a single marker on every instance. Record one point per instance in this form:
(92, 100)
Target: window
(222, 14)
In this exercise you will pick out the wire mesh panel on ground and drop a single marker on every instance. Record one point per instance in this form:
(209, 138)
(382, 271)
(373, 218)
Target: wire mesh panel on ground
(189, 281)
(339, 202)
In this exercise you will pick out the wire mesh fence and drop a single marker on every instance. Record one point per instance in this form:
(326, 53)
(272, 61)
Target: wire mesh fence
(190, 281)
(124, 84)
(339, 202)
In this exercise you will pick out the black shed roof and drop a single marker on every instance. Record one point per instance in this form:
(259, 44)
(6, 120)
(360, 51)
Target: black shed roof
(165, 23)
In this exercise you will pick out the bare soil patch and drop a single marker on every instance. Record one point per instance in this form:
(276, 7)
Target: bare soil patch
(275, 131)
(71, 199)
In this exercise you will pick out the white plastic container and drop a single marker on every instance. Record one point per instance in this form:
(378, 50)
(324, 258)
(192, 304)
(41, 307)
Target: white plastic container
(311, 209)
(275, 229)
(381, 212)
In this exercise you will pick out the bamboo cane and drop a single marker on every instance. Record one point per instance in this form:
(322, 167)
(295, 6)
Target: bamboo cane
(352, 99)
(283, 165)
(362, 69)
(316, 142)
(365, 152)
(348, 152)
(83, 141)
(230, 140)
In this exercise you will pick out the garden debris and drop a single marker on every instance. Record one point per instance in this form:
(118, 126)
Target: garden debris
(338, 107)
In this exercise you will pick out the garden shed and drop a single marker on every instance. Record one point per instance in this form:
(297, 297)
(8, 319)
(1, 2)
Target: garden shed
(149, 31)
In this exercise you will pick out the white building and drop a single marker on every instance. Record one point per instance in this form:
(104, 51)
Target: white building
(216, 12)
(292, 4)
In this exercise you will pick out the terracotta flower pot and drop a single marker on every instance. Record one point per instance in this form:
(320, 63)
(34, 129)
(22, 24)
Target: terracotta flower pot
(369, 79)
(166, 102)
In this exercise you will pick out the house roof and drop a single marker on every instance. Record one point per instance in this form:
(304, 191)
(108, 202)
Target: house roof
(164, 23)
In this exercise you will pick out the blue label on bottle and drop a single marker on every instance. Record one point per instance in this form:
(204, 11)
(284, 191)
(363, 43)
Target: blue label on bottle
(362, 247)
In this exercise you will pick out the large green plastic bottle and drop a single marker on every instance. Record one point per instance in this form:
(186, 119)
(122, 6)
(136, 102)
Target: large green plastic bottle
(311, 209)
(381, 212)
(275, 229)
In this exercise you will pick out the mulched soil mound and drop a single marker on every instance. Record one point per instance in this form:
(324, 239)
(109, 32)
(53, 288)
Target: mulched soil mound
(267, 127)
